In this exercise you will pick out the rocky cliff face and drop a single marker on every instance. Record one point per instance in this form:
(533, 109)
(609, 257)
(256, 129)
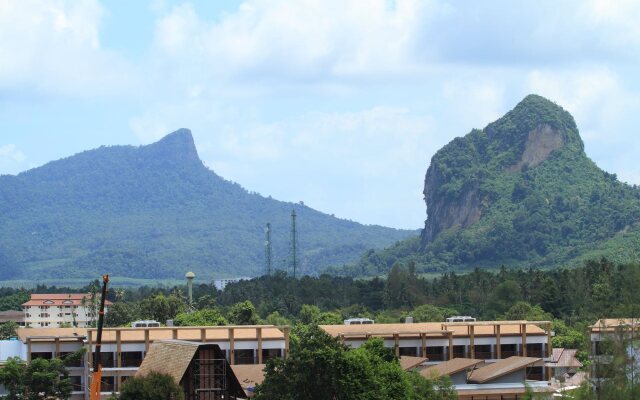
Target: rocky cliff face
(454, 187)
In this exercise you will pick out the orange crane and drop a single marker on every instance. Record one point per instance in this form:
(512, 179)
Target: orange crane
(96, 377)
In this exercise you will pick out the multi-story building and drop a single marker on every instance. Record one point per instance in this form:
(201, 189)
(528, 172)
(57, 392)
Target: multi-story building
(124, 349)
(56, 310)
(484, 358)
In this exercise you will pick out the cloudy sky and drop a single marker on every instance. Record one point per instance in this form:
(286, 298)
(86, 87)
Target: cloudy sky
(337, 103)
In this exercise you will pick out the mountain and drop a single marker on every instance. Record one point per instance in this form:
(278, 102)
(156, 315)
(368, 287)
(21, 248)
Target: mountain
(520, 192)
(156, 212)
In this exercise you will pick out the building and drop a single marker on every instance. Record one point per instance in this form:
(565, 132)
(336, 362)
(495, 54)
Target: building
(56, 310)
(483, 358)
(613, 335)
(441, 341)
(124, 349)
(12, 316)
(200, 369)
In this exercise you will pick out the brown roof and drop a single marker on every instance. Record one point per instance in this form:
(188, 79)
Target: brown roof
(564, 358)
(451, 367)
(132, 335)
(168, 357)
(500, 368)
(610, 324)
(70, 334)
(58, 299)
(485, 328)
(408, 362)
(11, 315)
(249, 375)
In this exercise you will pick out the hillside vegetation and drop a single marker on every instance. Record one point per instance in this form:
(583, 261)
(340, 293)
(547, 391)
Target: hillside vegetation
(155, 212)
(520, 192)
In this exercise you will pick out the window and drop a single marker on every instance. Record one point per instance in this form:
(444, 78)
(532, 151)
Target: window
(108, 360)
(76, 383)
(435, 353)
(41, 354)
(244, 356)
(73, 364)
(459, 351)
(108, 384)
(268, 354)
(483, 351)
(47, 302)
(131, 358)
(409, 351)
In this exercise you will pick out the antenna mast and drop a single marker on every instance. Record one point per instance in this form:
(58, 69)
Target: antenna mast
(268, 249)
(294, 243)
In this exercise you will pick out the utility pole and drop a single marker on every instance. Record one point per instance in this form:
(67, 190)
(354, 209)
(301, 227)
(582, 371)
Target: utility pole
(268, 249)
(294, 243)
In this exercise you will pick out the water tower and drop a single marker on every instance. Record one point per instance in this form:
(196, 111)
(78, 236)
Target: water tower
(190, 276)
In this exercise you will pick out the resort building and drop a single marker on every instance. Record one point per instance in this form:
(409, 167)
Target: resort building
(62, 309)
(124, 349)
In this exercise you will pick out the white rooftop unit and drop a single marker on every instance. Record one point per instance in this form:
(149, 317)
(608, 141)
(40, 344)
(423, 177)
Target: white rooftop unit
(358, 321)
(461, 318)
(145, 324)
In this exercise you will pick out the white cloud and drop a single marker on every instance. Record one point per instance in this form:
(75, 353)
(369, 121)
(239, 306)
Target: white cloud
(53, 47)
(11, 159)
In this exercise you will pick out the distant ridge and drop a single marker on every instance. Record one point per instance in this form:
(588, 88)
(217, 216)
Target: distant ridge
(154, 212)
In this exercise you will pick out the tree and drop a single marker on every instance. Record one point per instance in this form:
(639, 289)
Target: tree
(206, 317)
(525, 311)
(8, 330)
(243, 313)
(120, 314)
(154, 386)
(321, 368)
(161, 307)
(40, 379)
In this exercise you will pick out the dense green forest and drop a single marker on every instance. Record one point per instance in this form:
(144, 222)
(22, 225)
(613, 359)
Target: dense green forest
(520, 192)
(156, 212)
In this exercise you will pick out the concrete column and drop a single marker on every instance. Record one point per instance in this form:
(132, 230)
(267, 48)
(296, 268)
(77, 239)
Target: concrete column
(396, 339)
(498, 345)
(423, 350)
(146, 341)
(523, 330)
(450, 345)
(286, 341)
(472, 345)
(259, 337)
(232, 345)
(203, 335)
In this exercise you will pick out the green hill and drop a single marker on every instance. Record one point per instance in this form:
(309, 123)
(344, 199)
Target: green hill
(155, 212)
(520, 192)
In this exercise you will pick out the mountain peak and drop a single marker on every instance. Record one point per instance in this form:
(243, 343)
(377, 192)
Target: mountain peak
(177, 146)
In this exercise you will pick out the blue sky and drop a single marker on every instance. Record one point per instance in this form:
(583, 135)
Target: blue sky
(340, 104)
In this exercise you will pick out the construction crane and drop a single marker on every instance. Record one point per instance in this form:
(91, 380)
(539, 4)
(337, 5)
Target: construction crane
(96, 377)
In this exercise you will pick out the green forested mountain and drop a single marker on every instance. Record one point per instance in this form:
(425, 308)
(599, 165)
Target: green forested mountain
(520, 192)
(155, 212)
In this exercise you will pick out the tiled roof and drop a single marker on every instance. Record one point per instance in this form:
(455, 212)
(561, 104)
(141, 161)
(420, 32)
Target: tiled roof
(451, 367)
(500, 368)
(408, 362)
(433, 329)
(564, 358)
(610, 324)
(57, 299)
(168, 357)
(132, 335)
(249, 376)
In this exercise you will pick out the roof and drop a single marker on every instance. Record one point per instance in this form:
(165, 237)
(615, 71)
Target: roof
(173, 357)
(451, 367)
(249, 376)
(58, 299)
(435, 329)
(65, 334)
(409, 362)
(500, 368)
(610, 324)
(133, 335)
(564, 358)
(169, 357)
(11, 315)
